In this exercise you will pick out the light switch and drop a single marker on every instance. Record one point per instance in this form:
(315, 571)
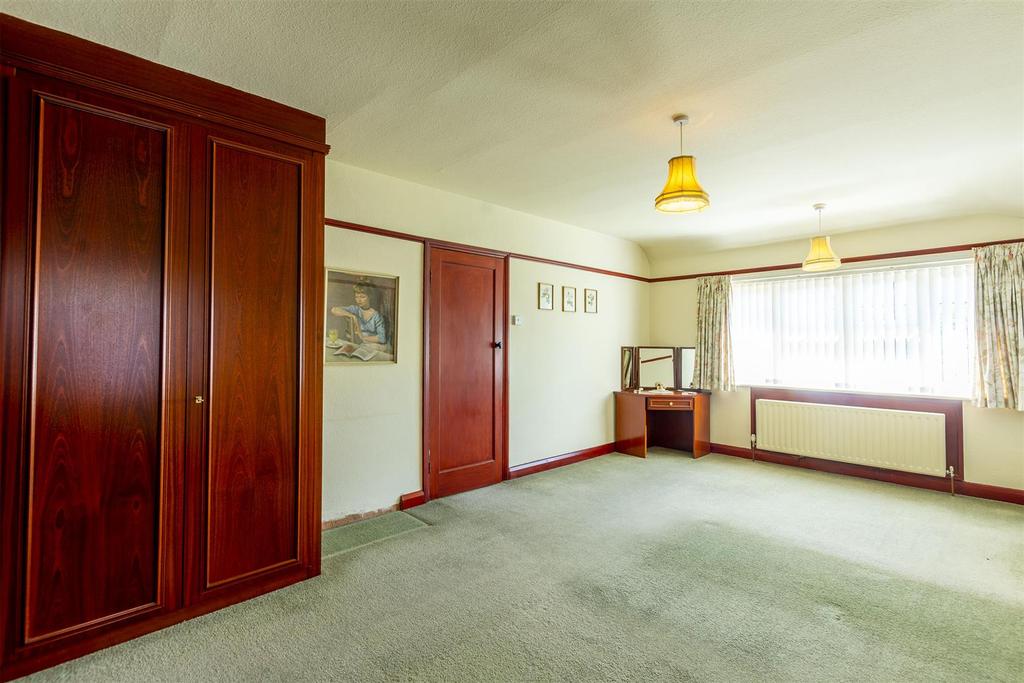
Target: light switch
(517, 320)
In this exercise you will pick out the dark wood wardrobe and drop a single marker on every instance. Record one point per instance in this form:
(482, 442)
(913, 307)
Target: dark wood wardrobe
(161, 297)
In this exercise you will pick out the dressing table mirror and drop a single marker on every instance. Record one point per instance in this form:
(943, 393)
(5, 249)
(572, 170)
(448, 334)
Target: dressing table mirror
(646, 367)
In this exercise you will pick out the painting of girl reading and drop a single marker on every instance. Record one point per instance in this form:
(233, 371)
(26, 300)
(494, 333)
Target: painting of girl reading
(360, 324)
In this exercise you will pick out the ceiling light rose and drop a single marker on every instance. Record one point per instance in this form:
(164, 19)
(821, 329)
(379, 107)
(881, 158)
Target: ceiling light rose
(682, 192)
(821, 257)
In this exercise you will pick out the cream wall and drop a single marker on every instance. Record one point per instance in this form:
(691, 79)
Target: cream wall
(993, 439)
(948, 232)
(562, 366)
(674, 313)
(359, 196)
(371, 432)
(994, 446)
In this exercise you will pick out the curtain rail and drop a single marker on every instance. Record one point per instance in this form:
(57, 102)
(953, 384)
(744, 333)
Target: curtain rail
(756, 277)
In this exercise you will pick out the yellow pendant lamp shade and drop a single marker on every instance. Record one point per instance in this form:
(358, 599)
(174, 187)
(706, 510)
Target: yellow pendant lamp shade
(821, 257)
(682, 193)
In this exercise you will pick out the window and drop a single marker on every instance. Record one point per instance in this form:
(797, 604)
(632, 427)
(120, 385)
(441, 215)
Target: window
(901, 330)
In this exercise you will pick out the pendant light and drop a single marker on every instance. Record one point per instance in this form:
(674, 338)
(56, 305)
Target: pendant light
(821, 257)
(682, 192)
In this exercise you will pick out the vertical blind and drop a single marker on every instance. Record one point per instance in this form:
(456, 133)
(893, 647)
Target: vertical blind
(898, 330)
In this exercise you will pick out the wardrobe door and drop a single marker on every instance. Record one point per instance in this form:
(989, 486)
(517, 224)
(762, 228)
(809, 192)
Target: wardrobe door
(94, 285)
(251, 525)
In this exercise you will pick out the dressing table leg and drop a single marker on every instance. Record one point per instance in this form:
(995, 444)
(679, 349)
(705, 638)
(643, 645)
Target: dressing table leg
(631, 424)
(701, 425)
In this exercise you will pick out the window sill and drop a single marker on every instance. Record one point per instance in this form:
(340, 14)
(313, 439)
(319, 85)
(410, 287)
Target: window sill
(937, 397)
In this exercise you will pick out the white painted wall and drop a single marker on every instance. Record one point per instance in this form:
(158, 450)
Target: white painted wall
(372, 417)
(360, 196)
(941, 233)
(562, 366)
(994, 446)
(993, 438)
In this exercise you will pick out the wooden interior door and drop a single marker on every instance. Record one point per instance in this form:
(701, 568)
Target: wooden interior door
(248, 522)
(94, 283)
(466, 432)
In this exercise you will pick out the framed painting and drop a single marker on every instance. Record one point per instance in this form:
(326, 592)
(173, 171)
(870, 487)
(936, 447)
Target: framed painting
(590, 301)
(545, 296)
(569, 299)
(361, 320)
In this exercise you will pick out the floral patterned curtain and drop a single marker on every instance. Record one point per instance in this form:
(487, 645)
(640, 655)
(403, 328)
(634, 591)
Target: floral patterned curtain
(999, 325)
(712, 365)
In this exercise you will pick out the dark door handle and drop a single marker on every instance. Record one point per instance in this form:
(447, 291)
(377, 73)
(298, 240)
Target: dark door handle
(497, 344)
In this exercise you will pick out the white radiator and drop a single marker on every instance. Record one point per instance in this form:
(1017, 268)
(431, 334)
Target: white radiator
(893, 439)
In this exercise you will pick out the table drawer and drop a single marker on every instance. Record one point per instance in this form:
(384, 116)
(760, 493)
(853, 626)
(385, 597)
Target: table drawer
(670, 403)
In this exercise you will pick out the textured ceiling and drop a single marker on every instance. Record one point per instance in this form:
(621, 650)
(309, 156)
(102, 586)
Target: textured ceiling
(887, 111)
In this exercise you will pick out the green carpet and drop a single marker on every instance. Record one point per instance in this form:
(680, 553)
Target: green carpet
(625, 569)
(344, 538)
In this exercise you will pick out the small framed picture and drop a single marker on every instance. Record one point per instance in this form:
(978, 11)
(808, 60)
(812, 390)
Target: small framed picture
(545, 296)
(590, 301)
(569, 299)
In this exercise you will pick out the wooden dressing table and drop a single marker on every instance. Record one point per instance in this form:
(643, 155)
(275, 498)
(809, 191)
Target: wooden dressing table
(680, 420)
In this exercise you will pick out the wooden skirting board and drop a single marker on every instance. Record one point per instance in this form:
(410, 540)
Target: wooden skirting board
(965, 488)
(559, 460)
(415, 498)
(411, 500)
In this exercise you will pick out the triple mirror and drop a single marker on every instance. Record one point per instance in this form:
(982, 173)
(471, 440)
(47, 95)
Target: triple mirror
(646, 367)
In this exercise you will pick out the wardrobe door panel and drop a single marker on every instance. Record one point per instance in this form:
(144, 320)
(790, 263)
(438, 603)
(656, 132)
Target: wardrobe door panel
(253, 466)
(94, 522)
(101, 445)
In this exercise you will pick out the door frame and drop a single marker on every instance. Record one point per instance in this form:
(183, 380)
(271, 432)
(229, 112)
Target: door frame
(428, 379)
